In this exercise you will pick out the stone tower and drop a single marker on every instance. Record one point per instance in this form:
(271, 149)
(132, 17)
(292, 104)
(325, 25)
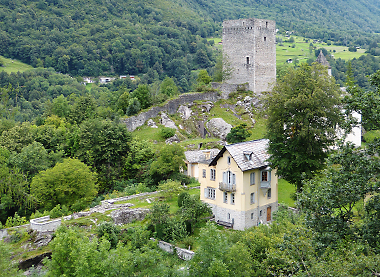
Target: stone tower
(249, 45)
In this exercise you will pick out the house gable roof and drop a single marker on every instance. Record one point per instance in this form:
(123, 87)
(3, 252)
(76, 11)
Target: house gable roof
(199, 155)
(256, 148)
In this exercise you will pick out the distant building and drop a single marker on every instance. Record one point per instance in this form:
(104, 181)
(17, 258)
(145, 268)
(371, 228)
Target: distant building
(239, 185)
(104, 80)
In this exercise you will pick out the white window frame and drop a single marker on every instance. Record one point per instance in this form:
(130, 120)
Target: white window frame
(210, 193)
(203, 173)
(225, 197)
(232, 198)
(228, 160)
(269, 193)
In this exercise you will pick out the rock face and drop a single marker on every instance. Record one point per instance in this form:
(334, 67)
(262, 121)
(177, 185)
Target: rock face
(184, 112)
(167, 122)
(151, 124)
(125, 216)
(218, 128)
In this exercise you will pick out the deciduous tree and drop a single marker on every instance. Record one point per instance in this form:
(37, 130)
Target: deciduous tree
(303, 113)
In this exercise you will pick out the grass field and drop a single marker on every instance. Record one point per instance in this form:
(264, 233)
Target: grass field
(10, 65)
(300, 50)
(285, 192)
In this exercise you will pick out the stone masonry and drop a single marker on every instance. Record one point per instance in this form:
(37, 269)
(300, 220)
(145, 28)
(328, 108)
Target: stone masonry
(249, 45)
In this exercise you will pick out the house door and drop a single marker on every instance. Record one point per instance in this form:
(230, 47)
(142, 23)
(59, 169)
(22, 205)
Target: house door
(269, 216)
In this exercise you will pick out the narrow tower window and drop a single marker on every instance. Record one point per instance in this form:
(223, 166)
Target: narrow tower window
(247, 60)
(266, 24)
(265, 38)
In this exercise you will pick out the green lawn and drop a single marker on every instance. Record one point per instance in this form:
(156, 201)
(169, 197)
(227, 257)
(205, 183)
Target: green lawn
(285, 192)
(10, 65)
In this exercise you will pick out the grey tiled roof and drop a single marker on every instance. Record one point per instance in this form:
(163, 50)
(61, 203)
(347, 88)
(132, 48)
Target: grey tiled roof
(257, 149)
(199, 155)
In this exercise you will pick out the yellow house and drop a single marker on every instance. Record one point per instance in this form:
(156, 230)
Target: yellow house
(239, 185)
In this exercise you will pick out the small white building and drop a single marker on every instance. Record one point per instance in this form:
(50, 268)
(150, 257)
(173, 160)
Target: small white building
(104, 80)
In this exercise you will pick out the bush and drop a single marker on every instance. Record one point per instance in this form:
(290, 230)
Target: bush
(108, 231)
(136, 188)
(352, 49)
(170, 188)
(181, 197)
(167, 132)
(57, 211)
(16, 220)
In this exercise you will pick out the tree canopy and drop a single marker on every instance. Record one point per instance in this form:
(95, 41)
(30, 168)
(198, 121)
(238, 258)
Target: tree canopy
(70, 183)
(303, 113)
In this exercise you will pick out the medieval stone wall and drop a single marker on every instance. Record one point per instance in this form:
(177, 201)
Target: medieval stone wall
(250, 47)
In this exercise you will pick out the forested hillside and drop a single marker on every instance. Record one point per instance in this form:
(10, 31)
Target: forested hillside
(160, 37)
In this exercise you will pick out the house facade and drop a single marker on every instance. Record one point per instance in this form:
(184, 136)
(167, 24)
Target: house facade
(239, 185)
(193, 158)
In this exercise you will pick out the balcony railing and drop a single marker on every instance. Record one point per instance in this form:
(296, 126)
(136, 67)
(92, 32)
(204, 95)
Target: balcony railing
(227, 187)
(265, 185)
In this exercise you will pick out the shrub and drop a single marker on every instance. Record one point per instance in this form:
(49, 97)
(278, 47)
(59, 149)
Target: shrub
(167, 132)
(16, 220)
(170, 188)
(181, 198)
(59, 211)
(109, 231)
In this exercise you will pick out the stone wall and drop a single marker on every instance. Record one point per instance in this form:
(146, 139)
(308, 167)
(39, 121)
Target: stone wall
(183, 254)
(169, 107)
(243, 219)
(44, 224)
(249, 45)
(3, 234)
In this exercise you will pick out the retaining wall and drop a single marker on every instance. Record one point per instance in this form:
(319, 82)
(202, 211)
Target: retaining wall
(183, 254)
(44, 224)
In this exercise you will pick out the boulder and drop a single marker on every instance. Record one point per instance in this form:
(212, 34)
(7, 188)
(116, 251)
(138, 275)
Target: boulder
(172, 139)
(218, 128)
(184, 112)
(167, 122)
(152, 124)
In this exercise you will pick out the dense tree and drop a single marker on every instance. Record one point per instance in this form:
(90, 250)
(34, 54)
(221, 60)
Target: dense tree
(238, 134)
(104, 145)
(142, 93)
(303, 113)
(169, 160)
(366, 102)
(328, 200)
(70, 183)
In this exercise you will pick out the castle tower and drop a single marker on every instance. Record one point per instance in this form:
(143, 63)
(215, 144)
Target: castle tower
(249, 45)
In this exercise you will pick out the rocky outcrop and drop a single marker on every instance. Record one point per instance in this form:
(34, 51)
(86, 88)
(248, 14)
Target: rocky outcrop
(173, 139)
(169, 107)
(218, 128)
(125, 216)
(185, 112)
(167, 122)
(151, 123)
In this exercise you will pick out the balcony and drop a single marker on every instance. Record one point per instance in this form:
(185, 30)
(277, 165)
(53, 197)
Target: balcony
(265, 185)
(227, 187)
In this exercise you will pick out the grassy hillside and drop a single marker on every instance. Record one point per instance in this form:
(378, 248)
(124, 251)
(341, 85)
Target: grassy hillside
(10, 65)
